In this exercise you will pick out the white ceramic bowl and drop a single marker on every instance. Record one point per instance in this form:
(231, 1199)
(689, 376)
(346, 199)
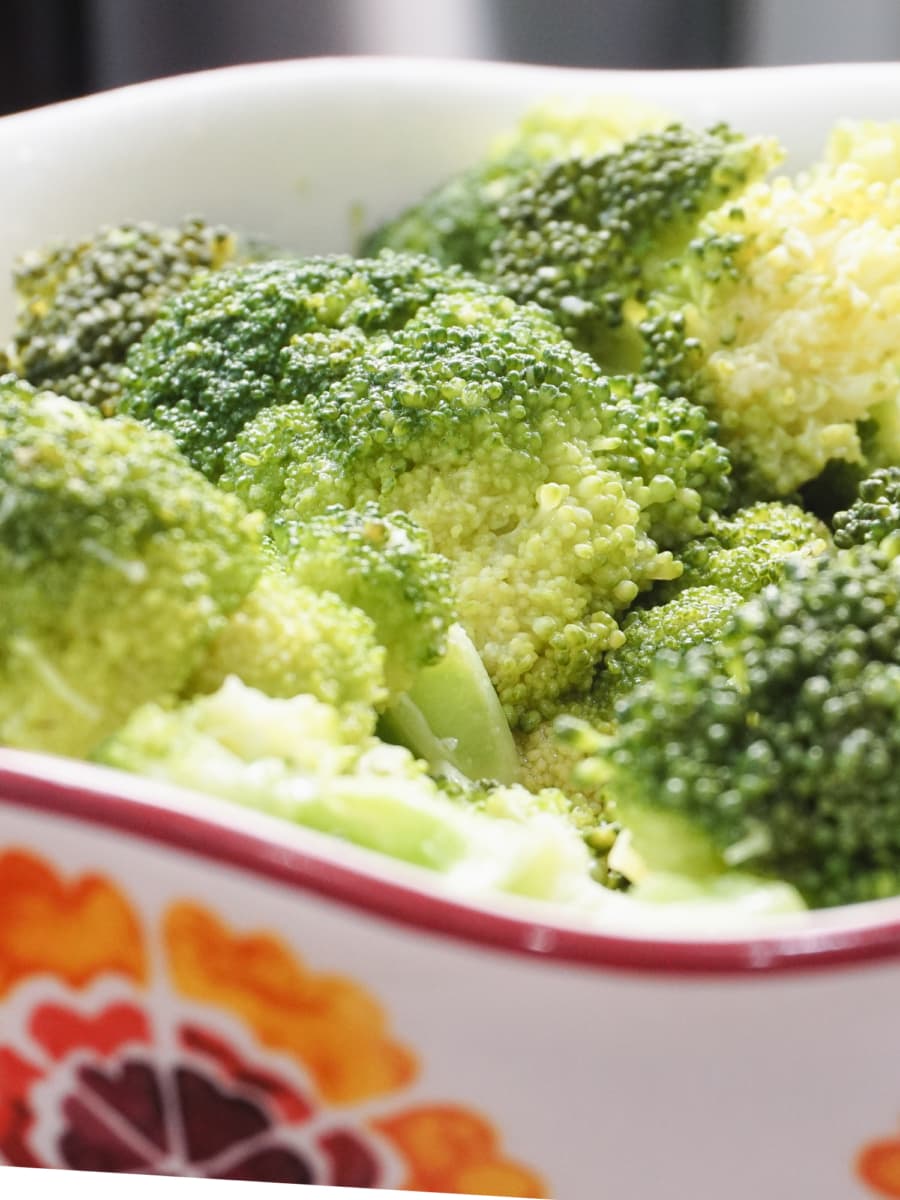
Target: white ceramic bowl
(189, 987)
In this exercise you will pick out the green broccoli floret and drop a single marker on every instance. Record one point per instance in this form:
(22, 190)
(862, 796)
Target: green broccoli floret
(459, 220)
(875, 514)
(382, 565)
(441, 703)
(694, 615)
(287, 639)
(789, 317)
(536, 477)
(299, 759)
(773, 750)
(550, 755)
(118, 564)
(588, 235)
(239, 341)
(747, 550)
(82, 305)
(587, 238)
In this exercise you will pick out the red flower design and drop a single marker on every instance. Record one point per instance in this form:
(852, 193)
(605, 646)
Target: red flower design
(107, 1096)
(243, 1062)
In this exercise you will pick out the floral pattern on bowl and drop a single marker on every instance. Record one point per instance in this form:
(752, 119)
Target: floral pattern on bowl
(192, 1050)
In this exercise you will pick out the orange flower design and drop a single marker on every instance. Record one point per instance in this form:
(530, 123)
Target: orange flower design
(73, 930)
(878, 1166)
(453, 1149)
(329, 1023)
(241, 1063)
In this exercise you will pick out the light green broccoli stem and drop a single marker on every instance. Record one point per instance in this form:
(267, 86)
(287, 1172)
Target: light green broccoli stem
(452, 718)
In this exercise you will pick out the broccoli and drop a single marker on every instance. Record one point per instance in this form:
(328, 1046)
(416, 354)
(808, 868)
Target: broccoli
(298, 759)
(586, 236)
(876, 512)
(540, 480)
(118, 564)
(440, 703)
(746, 550)
(772, 304)
(550, 753)
(511, 562)
(82, 305)
(773, 749)
(355, 610)
(789, 320)
(268, 333)
(457, 223)
(287, 639)
(451, 716)
(382, 565)
(694, 615)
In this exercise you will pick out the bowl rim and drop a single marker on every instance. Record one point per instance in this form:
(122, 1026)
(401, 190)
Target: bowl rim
(834, 938)
(837, 938)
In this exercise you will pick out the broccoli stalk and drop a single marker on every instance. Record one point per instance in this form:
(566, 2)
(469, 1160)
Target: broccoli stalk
(452, 718)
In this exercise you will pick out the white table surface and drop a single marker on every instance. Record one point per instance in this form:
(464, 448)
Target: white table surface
(17, 1183)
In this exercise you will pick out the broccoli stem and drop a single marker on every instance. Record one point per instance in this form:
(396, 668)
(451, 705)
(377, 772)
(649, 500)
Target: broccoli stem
(451, 717)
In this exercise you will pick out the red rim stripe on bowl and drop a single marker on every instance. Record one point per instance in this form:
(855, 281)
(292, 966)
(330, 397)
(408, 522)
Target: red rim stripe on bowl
(431, 912)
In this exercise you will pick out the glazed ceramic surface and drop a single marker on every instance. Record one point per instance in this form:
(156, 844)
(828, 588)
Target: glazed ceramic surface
(188, 988)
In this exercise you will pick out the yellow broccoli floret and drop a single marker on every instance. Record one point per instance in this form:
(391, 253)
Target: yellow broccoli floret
(795, 300)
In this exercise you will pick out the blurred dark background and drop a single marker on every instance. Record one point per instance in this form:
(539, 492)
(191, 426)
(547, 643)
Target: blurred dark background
(55, 49)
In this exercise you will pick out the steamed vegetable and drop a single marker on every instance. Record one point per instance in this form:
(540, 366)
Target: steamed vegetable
(551, 545)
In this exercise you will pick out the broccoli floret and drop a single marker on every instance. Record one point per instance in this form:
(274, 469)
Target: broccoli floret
(747, 550)
(382, 565)
(774, 749)
(535, 476)
(549, 760)
(440, 703)
(118, 564)
(459, 220)
(550, 755)
(791, 318)
(694, 615)
(239, 341)
(587, 238)
(287, 639)
(586, 234)
(298, 759)
(82, 305)
(875, 514)
(670, 445)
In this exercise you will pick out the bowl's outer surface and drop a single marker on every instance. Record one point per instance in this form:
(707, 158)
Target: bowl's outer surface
(236, 1024)
(207, 995)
